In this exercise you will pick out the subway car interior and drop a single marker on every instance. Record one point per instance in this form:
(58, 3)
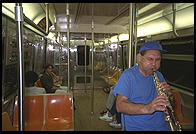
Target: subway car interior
(89, 46)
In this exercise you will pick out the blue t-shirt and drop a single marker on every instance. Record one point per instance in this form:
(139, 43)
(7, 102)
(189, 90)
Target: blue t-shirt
(140, 89)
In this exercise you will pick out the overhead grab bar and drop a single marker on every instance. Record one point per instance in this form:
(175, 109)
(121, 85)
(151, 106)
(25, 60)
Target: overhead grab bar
(174, 19)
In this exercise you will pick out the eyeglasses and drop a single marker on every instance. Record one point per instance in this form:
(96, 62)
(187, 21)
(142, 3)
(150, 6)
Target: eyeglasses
(150, 59)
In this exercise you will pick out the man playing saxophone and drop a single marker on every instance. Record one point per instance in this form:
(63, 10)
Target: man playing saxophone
(137, 99)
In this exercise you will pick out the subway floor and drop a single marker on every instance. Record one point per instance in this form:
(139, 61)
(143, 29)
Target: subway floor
(84, 120)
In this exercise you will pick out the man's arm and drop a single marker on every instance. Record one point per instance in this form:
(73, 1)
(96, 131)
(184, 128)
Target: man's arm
(123, 105)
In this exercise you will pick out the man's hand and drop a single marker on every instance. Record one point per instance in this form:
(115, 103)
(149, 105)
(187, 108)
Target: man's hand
(158, 104)
(166, 88)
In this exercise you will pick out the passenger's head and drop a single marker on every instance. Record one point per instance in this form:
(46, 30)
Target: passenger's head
(30, 78)
(149, 56)
(48, 68)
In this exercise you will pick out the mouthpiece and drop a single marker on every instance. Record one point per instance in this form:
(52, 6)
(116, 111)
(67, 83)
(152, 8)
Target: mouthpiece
(153, 69)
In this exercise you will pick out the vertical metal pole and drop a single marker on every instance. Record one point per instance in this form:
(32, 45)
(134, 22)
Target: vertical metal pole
(92, 93)
(54, 47)
(5, 36)
(130, 34)
(105, 48)
(85, 60)
(47, 18)
(68, 46)
(60, 54)
(19, 21)
(135, 34)
(117, 49)
(123, 62)
(117, 53)
(45, 52)
(108, 59)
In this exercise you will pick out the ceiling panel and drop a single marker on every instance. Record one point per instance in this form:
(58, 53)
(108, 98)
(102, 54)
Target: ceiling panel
(108, 17)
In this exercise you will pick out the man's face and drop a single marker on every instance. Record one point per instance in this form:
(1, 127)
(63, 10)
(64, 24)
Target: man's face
(149, 61)
(49, 69)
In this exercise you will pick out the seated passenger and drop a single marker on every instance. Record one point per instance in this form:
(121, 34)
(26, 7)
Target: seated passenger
(48, 78)
(30, 78)
(107, 115)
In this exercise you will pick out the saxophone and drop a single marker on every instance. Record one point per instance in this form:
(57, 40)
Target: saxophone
(169, 112)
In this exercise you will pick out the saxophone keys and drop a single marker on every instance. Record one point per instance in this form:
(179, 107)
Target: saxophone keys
(167, 118)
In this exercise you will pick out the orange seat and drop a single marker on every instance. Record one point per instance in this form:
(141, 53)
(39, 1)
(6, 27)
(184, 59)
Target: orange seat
(177, 109)
(59, 112)
(114, 77)
(6, 123)
(33, 111)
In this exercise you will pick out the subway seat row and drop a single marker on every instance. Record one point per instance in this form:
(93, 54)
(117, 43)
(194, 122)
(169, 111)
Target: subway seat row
(47, 112)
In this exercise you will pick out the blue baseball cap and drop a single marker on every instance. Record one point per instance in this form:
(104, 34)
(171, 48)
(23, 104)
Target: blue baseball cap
(151, 45)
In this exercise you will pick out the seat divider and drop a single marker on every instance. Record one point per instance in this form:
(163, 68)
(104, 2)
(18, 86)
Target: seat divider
(44, 111)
